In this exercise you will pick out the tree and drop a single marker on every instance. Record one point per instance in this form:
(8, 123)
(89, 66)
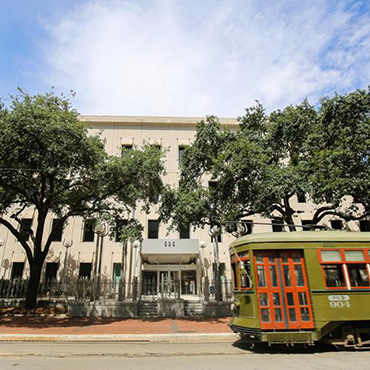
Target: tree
(233, 164)
(337, 164)
(48, 161)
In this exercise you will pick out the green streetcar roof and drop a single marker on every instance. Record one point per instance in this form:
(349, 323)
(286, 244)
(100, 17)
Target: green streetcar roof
(303, 237)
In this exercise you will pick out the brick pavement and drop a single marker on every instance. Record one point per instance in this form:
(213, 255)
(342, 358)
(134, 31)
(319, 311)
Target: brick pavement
(94, 326)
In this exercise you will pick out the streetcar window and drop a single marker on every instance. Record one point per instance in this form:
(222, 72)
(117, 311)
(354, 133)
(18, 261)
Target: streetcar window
(287, 279)
(261, 276)
(331, 256)
(274, 281)
(358, 275)
(305, 314)
(265, 314)
(235, 281)
(334, 276)
(298, 273)
(245, 273)
(354, 256)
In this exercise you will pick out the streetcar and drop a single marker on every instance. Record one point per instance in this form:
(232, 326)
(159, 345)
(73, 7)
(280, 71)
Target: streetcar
(302, 287)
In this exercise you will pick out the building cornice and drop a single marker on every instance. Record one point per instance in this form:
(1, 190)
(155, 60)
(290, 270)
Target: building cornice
(103, 119)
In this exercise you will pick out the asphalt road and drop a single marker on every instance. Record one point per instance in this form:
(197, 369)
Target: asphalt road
(179, 356)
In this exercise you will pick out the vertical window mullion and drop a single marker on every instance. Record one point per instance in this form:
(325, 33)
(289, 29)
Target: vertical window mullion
(368, 269)
(346, 276)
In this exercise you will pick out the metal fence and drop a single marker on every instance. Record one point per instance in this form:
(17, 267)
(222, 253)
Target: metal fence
(113, 290)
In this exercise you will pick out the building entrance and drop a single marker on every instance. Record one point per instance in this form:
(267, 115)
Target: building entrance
(169, 283)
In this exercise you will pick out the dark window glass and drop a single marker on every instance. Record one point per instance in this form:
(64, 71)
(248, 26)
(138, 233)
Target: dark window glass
(88, 231)
(127, 146)
(334, 276)
(219, 238)
(51, 271)
(57, 234)
(248, 226)
(25, 229)
(85, 270)
(235, 281)
(157, 146)
(184, 232)
(286, 270)
(365, 225)
(261, 276)
(153, 229)
(277, 225)
(245, 274)
(358, 275)
(336, 224)
(17, 270)
(264, 300)
(116, 271)
(212, 185)
(301, 196)
(292, 315)
(181, 152)
(120, 223)
(306, 225)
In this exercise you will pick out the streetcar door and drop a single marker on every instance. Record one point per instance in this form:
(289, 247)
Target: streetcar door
(282, 289)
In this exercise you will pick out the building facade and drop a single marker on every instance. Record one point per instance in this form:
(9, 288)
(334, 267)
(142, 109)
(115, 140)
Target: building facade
(186, 256)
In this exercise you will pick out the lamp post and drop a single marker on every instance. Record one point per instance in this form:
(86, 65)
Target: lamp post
(2, 243)
(67, 243)
(135, 245)
(101, 231)
(214, 232)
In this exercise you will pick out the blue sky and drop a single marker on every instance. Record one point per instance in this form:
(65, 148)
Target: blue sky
(184, 57)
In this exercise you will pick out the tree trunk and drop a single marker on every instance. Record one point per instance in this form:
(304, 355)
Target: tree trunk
(33, 286)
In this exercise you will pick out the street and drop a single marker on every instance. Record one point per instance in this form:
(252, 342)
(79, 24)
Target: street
(149, 355)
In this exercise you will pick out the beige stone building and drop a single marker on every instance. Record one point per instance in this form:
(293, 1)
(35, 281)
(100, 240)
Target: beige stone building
(162, 255)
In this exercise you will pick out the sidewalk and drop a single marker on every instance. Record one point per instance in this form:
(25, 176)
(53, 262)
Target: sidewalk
(96, 329)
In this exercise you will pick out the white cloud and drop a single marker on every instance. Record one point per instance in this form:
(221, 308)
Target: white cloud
(173, 57)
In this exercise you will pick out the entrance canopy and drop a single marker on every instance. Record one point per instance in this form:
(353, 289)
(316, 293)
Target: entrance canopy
(169, 250)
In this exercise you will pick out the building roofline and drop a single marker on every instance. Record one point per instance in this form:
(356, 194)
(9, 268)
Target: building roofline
(302, 237)
(106, 119)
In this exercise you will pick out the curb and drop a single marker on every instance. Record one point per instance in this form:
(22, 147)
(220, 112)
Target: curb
(176, 337)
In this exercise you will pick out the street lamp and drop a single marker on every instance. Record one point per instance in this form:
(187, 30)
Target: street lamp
(101, 231)
(67, 243)
(135, 245)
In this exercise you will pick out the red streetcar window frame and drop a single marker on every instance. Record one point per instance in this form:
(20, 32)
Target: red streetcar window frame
(343, 262)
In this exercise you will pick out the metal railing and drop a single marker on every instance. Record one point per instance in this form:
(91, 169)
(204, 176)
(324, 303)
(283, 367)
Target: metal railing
(82, 289)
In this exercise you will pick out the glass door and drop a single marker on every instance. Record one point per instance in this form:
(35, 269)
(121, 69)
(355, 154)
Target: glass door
(282, 289)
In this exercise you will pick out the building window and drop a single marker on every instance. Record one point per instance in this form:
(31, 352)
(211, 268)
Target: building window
(346, 268)
(57, 234)
(248, 224)
(277, 225)
(88, 235)
(117, 272)
(157, 146)
(17, 270)
(306, 225)
(184, 231)
(336, 224)
(85, 270)
(212, 185)
(51, 271)
(25, 228)
(301, 197)
(153, 229)
(219, 238)
(120, 223)
(364, 225)
(181, 152)
(126, 147)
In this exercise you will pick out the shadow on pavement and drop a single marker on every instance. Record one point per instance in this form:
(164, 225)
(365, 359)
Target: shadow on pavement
(284, 349)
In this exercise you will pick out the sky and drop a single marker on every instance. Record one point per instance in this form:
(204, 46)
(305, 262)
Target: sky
(184, 57)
